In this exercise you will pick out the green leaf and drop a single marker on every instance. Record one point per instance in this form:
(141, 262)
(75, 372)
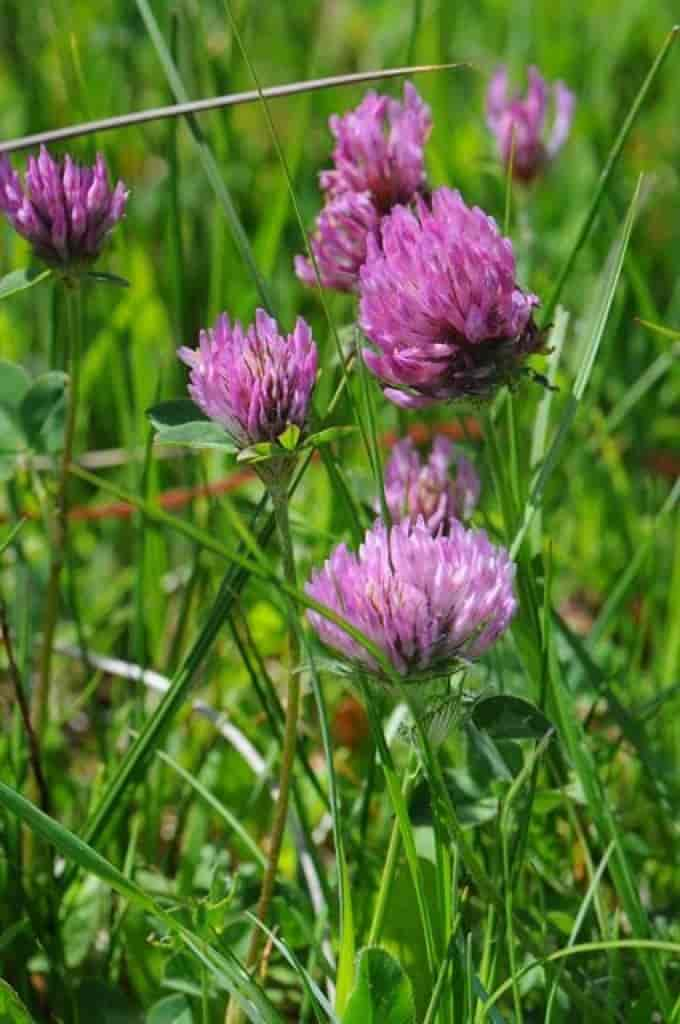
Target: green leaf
(290, 437)
(510, 718)
(328, 435)
(14, 383)
(42, 411)
(20, 280)
(171, 1010)
(180, 421)
(175, 413)
(259, 452)
(104, 278)
(667, 332)
(12, 1010)
(383, 993)
(12, 439)
(202, 434)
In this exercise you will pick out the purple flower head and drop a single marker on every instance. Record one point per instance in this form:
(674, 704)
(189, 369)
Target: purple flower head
(524, 120)
(440, 303)
(424, 600)
(379, 149)
(339, 244)
(64, 210)
(416, 490)
(254, 382)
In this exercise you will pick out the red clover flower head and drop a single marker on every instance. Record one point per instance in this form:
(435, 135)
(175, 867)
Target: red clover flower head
(254, 382)
(439, 301)
(524, 120)
(379, 162)
(426, 601)
(65, 210)
(339, 243)
(379, 149)
(425, 490)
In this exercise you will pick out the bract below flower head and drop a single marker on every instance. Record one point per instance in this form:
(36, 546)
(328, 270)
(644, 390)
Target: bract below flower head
(65, 210)
(417, 489)
(340, 242)
(440, 303)
(379, 149)
(519, 123)
(253, 381)
(425, 601)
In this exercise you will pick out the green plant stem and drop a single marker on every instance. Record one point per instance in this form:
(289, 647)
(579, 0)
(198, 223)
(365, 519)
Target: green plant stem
(279, 498)
(33, 745)
(40, 701)
(390, 869)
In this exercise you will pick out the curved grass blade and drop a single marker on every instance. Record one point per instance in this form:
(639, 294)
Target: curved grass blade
(217, 805)
(227, 969)
(318, 999)
(583, 947)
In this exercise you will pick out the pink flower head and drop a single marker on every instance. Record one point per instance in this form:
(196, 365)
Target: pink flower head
(339, 244)
(66, 211)
(425, 490)
(424, 600)
(441, 305)
(254, 382)
(521, 121)
(379, 149)
(379, 162)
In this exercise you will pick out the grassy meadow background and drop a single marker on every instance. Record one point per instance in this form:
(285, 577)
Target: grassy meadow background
(597, 822)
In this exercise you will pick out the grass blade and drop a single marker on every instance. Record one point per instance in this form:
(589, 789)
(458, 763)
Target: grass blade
(205, 153)
(607, 172)
(610, 280)
(74, 849)
(235, 99)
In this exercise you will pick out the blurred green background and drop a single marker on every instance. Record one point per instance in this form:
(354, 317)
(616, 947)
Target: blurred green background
(140, 593)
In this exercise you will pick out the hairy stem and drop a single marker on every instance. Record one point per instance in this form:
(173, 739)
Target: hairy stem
(40, 701)
(280, 503)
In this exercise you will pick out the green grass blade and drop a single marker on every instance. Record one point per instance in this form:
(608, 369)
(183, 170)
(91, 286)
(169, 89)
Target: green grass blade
(205, 153)
(594, 332)
(585, 947)
(84, 856)
(607, 172)
(72, 847)
(571, 732)
(619, 592)
(217, 805)
(578, 921)
(347, 943)
(107, 124)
